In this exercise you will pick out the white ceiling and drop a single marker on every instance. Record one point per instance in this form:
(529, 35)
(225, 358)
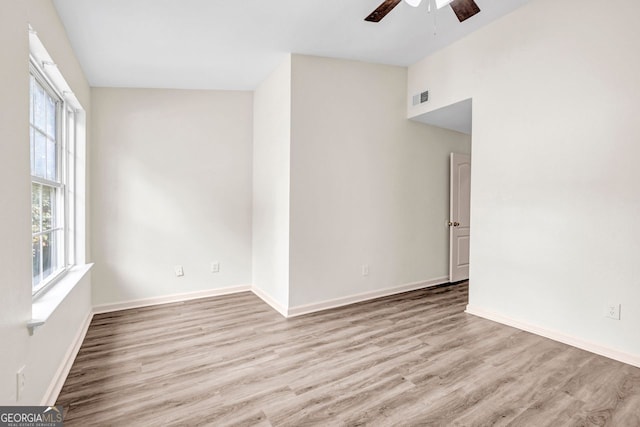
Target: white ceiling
(234, 44)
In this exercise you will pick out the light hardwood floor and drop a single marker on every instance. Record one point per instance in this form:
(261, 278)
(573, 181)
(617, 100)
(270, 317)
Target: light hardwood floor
(410, 359)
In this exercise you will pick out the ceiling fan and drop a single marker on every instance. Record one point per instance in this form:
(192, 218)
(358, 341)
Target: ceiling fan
(464, 9)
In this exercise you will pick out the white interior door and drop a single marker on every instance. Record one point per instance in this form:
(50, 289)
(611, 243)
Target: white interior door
(459, 214)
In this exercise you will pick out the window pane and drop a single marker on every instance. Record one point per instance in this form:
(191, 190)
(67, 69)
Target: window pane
(51, 160)
(48, 208)
(31, 95)
(36, 257)
(51, 251)
(36, 209)
(47, 249)
(51, 117)
(49, 254)
(32, 144)
(40, 155)
(39, 113)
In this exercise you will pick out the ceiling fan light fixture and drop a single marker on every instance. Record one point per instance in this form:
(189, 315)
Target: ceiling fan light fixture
(442, 3)
(414, 3)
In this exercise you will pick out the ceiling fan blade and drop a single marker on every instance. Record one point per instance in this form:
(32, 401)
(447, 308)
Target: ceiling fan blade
(464, 9)
(382, 10)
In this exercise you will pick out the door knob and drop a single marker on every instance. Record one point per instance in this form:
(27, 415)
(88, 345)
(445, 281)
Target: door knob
(456, 224)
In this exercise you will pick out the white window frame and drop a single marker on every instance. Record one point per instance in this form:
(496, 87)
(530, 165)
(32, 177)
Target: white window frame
(65, 143)
(47, 299)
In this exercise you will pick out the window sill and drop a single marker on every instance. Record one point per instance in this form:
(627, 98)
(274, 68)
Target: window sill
(44, 305)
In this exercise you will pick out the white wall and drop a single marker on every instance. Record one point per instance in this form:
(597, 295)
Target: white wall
(368, 186)
(271, 147)
(555, 181)
(171, 185)
(42, 353)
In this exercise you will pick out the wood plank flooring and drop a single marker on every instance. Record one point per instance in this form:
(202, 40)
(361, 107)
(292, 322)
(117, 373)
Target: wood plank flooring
(414, 359)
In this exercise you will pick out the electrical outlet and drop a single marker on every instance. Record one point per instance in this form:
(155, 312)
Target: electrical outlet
(20, 382)
(215, 267)
(179, 270)
(613, 311)
(365, 269)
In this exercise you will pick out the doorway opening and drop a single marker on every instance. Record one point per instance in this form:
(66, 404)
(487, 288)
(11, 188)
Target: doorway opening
(457, 117)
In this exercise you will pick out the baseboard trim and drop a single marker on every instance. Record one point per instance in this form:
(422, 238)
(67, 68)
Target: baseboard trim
(146, 302)
(365, 296)
(630, 359)
(269, 300)
(51, 395)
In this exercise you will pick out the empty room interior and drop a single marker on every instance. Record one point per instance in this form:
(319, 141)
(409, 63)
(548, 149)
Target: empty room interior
(333, 213)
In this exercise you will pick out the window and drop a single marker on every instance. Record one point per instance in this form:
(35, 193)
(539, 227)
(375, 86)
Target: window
(49, 120)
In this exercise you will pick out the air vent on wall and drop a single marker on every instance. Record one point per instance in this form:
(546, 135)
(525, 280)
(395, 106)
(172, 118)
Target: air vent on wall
(421, 97)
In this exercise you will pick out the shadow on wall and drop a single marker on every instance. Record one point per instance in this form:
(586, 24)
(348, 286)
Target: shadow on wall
(456, 117)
